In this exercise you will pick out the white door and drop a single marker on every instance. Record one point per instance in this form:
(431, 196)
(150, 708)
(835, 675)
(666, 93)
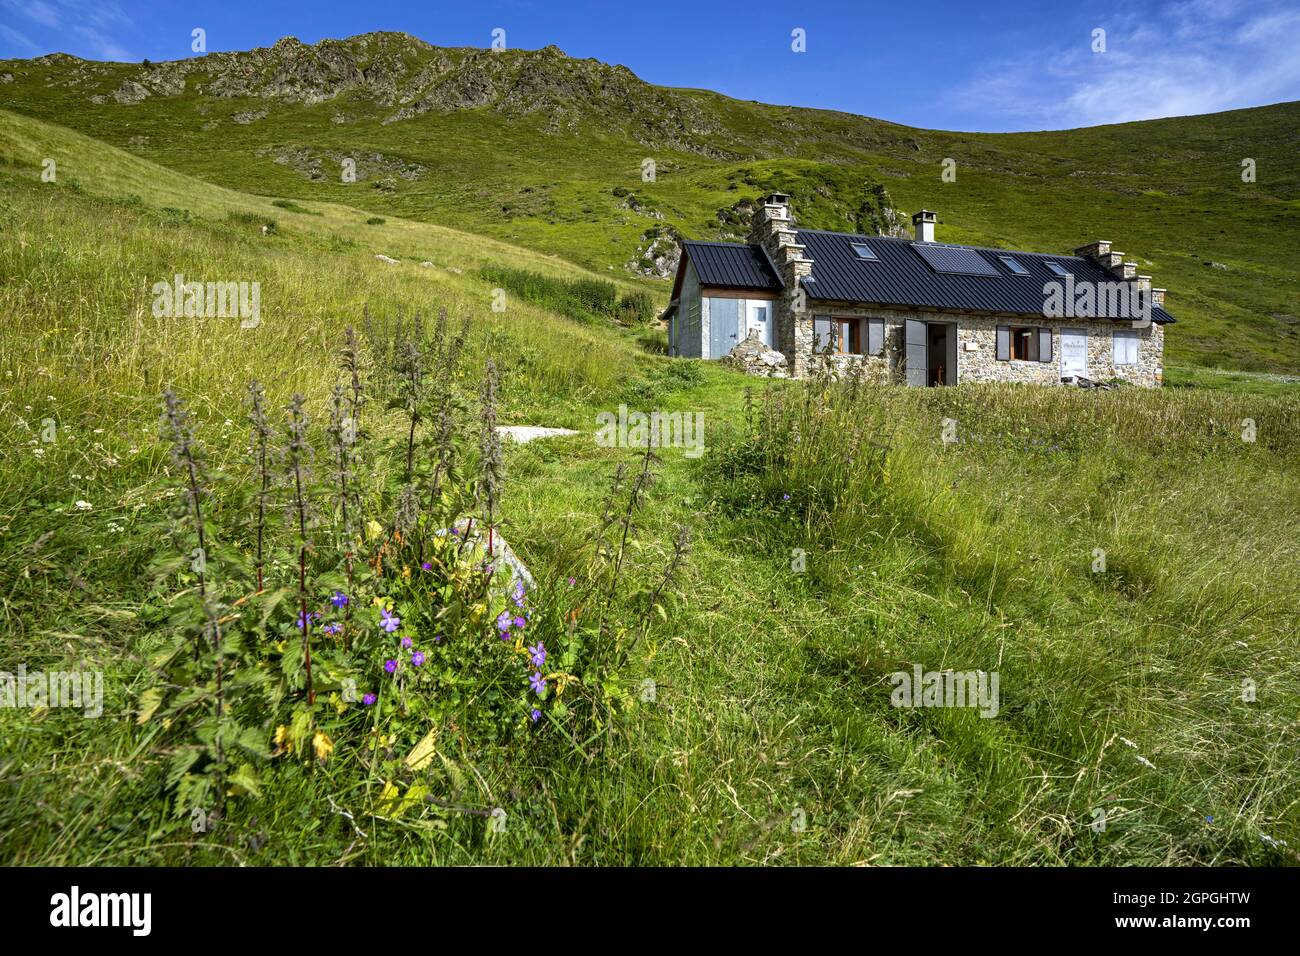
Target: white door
(1074, 352)
(760, 317)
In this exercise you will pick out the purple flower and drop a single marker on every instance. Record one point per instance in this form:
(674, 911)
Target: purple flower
(535, 714)
(406, 642)
(417, 658)
(456, 532)
(369, 700)
(785, 497)
(537, 682)
(572, 582)
(503, 621)
(390, 622)
(390, 665)
(519, 595)
(505, 635)
(437, 639)
(333, 628)
(339, 599)
(427, 566)
(305, 617)
(520, 622)
(538, 654)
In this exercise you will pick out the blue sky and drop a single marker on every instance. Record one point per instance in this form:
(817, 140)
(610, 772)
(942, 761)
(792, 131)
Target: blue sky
(998, 66)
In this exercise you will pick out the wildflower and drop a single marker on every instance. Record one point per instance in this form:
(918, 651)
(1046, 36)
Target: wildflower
(417, 658)
(406, 642)
(438, 639)
(503, 621)
(520, 622)
(427, 566)
(390, 621)
(339, 599)
(306, 617)
(537, 682)
(322, 745)
(536, 714)
(572, 582)
(390, 665)
(538, 654)
(369, 700)
(333, 628)
(785, 497)
(505, 635)
(84, 505)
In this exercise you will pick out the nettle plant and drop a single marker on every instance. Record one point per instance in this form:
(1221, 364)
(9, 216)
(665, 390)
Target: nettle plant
(348, 595)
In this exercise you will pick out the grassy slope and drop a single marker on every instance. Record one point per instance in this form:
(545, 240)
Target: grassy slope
(1168, 192)
(773, 691)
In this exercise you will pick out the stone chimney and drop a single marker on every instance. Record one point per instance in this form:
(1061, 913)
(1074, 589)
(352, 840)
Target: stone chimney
(924, 222)
(773, 228)
(1113, 262)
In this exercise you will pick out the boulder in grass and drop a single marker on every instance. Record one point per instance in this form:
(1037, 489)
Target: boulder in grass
(473, 542)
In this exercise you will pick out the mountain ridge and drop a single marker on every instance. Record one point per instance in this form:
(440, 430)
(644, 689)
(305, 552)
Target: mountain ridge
(583, 160)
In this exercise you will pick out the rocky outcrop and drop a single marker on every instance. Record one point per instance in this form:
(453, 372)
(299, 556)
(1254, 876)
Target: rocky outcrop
(658, 254)
(130, 93)
(752, 357)
(318, 165)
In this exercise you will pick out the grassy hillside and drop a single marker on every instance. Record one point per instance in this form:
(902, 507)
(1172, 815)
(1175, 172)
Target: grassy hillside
(1121, 690)
(545, 151)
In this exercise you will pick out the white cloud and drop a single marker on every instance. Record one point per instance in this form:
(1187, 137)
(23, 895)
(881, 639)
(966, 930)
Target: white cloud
(16, 38)
(1199, 56)
(93, 22)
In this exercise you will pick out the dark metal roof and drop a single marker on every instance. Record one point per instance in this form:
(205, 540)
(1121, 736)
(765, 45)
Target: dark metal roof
(902, 277)
(732, 265)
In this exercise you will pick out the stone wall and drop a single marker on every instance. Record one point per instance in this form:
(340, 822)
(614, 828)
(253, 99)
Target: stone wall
(977, 348)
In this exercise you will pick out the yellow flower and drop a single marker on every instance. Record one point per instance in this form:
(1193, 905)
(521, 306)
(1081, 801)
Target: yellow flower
(323, 745)
(283, 742)
(374, 529)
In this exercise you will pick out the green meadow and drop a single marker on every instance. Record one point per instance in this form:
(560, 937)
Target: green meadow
(1125, 561)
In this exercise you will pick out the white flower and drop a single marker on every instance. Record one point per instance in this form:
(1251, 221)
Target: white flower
(114, 526)
(38, 452)
(99, 431)
(83, 505)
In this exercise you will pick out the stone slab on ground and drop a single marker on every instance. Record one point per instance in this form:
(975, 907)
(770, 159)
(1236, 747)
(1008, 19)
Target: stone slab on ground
(522, 434)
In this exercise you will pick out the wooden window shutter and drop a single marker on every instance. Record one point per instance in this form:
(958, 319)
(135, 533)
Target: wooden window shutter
(1044, 344)
(1004, 343)
(875, 336)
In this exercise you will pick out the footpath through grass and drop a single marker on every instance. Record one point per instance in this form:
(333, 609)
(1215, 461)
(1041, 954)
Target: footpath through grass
(770, 737)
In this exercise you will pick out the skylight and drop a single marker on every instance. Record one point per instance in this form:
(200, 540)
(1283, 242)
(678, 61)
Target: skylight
(1013, 265)
(863, 251)
(1057, 268)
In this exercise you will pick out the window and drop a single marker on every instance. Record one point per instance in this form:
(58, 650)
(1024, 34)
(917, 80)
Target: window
(1024, 344)
(863, 251)
(841, 336)
(1013, 265)
(1125, 347)
(1057, 269)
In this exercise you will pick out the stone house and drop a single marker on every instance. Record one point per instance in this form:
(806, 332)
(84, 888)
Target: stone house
(914, 311)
